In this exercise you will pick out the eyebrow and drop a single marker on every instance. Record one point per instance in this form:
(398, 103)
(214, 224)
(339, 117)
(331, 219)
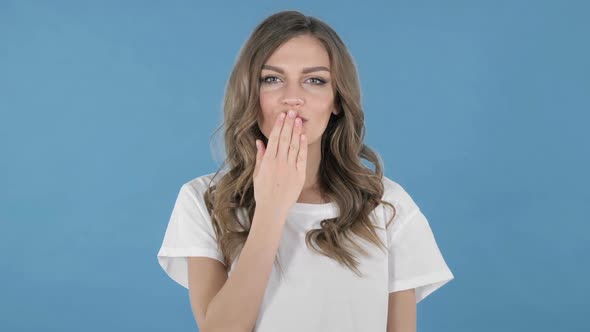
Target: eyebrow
(304, 71)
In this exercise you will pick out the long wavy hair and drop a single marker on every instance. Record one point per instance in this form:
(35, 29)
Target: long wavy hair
(343, 178)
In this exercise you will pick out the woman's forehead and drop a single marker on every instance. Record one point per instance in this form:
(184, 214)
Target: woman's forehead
(302, 51)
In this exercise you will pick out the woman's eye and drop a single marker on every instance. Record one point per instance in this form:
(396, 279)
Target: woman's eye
(265, 79)
(272, 79)
(318, 80)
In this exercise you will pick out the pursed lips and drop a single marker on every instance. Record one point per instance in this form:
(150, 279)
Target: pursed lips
(304, 120)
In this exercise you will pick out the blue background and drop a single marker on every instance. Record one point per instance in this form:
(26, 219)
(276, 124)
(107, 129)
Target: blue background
(478, 108)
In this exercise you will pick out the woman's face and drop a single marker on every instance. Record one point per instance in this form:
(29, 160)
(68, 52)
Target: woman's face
(297, 76)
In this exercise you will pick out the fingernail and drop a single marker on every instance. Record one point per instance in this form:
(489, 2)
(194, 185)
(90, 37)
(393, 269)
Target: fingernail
(292, 114)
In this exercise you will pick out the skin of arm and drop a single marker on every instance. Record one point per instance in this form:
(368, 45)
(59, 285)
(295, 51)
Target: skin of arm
(236, 306)
(401, 313)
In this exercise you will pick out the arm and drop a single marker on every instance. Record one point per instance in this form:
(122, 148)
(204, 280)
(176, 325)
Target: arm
(236, 304)
(401, 314)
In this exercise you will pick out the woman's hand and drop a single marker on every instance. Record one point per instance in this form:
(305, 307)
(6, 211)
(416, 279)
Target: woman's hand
(279, 173)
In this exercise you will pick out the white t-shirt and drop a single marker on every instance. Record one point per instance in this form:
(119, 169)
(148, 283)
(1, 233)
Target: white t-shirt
(314, 293)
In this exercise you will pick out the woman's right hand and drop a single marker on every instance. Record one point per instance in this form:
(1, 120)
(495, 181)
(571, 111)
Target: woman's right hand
(279, 173)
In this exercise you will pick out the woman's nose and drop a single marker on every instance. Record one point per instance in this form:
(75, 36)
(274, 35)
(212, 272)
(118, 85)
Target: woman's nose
(293, 95)
(293, 101)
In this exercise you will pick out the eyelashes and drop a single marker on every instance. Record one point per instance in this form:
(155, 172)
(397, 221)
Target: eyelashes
(265, 80)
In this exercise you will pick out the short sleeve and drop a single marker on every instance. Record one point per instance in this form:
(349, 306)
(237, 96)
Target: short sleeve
(415, 260)
(189, 233)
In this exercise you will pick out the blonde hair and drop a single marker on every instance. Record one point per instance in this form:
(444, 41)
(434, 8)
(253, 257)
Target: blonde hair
(356, 189)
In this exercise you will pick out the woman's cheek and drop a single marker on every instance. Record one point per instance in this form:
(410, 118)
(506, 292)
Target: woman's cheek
(266, 124)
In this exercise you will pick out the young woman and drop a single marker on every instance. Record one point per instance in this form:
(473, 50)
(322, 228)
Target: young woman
(353, 250)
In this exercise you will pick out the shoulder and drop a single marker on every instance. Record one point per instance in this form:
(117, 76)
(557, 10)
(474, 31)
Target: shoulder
(192, 192)
(200, 184)
(399, 197)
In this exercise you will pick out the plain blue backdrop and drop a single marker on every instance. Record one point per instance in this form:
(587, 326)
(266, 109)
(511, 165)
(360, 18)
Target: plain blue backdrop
(478, 108)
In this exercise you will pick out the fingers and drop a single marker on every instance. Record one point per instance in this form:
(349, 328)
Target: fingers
(259, 155)
(285, 138)
(295, 142)
(301, 162)
(273, 139)
(259, 150)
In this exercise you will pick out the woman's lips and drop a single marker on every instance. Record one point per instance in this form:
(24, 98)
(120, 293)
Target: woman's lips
(303, 120)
